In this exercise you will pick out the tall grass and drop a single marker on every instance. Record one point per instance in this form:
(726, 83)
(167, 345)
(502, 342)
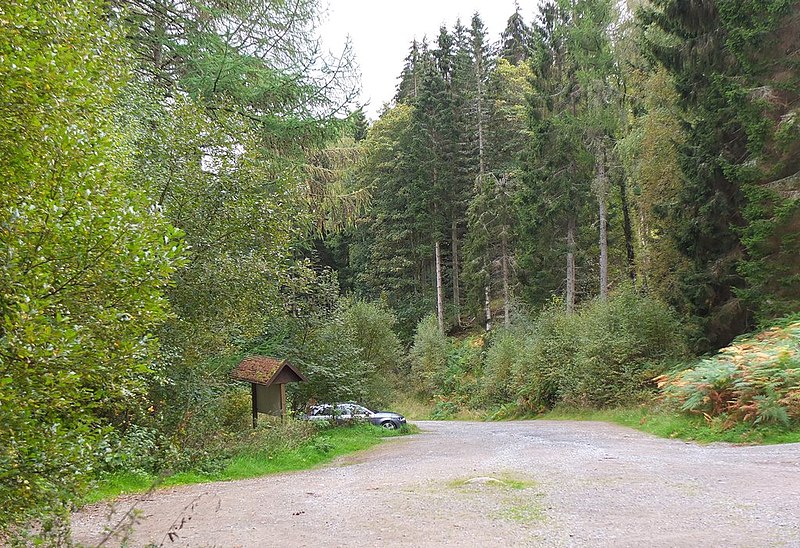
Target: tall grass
(253, 460)
(665, 422)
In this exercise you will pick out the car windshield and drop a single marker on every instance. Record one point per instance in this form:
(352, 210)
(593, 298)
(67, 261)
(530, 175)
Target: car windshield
(352, 409)
(322, 410)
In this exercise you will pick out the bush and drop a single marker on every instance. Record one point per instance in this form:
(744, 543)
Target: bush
(445, 409)
(461, 377)
(353, 354)
(604, 355)
(624, 344)
(607, 354)
(547, 360)
(502, 355)
(370, 326)
(428, 356)
(332, 362)
(755, 380)
(85, 257)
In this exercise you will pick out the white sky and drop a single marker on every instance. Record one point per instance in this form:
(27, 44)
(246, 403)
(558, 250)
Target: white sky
(382, 31)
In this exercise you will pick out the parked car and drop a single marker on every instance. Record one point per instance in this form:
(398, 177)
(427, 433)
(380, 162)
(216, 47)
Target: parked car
(347, 412)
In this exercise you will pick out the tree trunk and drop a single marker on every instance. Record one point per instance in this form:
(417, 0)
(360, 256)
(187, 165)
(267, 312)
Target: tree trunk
(601, 190)
(626, 224)
(439, 289)
(456, 266)
(481, 163)
(504, 263)
(571, 265)
(644, 249)
(601, 199)
(488, 306)
(481, 174)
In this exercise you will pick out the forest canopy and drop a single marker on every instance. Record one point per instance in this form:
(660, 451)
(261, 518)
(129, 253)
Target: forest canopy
(556, 214)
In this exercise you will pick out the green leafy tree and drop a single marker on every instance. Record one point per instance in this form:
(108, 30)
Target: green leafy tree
(235, 111)
(649, 153)
(352, 353)
(575, 115)
(85, 257)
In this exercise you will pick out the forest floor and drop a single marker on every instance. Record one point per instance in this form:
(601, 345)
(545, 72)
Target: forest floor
(525, 483)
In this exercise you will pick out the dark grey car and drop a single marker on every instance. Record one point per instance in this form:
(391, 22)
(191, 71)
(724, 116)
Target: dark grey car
(346, 412)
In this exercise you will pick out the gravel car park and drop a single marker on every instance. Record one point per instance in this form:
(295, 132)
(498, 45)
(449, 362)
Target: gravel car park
(350, 411)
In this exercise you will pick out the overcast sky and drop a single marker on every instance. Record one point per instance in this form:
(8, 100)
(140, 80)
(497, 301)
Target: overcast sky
(382, 31)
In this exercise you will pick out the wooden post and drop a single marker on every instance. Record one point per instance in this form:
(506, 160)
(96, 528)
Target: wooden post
(283, 401)
(253, 394)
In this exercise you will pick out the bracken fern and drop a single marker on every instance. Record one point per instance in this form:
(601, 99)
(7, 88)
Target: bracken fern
(756, 380)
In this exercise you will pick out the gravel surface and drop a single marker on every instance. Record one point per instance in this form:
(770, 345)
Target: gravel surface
(525, 483)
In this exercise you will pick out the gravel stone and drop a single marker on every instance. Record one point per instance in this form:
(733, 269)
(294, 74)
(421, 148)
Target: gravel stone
(584, 484)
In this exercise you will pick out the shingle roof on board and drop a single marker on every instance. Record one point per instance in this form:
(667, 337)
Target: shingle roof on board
(261, 369)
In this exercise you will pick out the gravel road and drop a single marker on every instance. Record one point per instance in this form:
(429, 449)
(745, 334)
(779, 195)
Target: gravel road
(526, 483)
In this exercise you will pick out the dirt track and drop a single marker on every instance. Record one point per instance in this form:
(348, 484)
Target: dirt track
(538, 483)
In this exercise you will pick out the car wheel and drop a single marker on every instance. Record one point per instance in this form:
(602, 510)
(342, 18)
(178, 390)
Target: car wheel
(389, 425)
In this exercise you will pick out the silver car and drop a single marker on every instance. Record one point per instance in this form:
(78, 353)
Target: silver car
(346, 412)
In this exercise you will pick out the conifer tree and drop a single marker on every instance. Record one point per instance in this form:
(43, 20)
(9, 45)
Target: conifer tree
(589, 47)
(502, 137)
(516, 39)
(408, 88)
(735, 86)
(437, 153)
(559, 167)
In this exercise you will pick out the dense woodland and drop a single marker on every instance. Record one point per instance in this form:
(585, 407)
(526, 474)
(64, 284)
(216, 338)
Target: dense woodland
(564, 214)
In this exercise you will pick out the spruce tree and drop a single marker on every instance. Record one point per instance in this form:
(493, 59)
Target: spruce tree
(408, 88)
(516, 39)
(559, 166)
(734, 215)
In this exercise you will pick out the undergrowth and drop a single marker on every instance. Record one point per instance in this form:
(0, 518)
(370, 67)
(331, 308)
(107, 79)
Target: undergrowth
(667, 423)
(756, 380)
(253, 460)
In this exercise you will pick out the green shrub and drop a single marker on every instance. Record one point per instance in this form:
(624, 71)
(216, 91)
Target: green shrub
(351, 354)
(428, 355)
(755, 380)
(606, 354)
(371, 328)
(461, 376)
(502, 355)
(445, 409)
(371, 325)
(547, 360)
(624, 344)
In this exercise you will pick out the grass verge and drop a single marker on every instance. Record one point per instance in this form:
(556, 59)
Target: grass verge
(322, 448)
(654, 420)
(668, 424)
